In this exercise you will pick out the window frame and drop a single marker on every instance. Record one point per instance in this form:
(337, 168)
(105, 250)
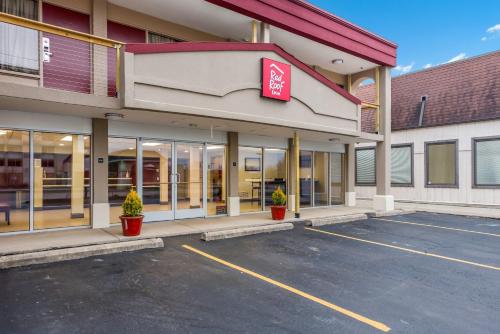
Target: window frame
(412, 183)
(426, 162)
(474, 140)
(356, 183)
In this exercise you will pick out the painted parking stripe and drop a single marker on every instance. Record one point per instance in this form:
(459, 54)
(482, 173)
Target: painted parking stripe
(378, 325)
(406, 249)
(437, 226)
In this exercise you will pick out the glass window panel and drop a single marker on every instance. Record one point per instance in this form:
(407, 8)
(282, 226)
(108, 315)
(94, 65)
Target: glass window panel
(250, 179)
(189, 176)
(320, 178)
(441, 164)
(365, 166)
(61, 180)
(14, 181)
(401, 165)
(305, 165)
(275, 170)
(122, 173)
(156, 176)
(337, 178)
(487, 155)
(216, 181)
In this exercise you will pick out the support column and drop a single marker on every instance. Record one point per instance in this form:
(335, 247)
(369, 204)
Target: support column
(383, 200)
(292, 175)
(100, 53)
(100, 203)
(233, 173)
(296, 146)
(77, 176)
(350, 192)
(265, 33)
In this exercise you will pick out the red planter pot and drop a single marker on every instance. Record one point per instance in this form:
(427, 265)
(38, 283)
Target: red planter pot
(131, 226)
(278, 212)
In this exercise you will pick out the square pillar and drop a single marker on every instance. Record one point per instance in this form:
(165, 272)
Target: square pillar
(100, 203)
(100, 53)
(292, 175)
(350, 192)
(383, 200)
(233, 197)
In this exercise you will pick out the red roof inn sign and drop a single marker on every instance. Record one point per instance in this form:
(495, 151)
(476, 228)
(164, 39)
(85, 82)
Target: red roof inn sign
(276, 80)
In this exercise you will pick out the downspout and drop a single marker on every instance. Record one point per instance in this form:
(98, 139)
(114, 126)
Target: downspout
(423, 100)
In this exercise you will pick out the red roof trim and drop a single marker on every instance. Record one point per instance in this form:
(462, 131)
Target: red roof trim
(142, 48)
(308, 21)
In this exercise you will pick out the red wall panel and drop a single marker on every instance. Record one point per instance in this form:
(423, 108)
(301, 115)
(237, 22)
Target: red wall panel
(70, 64)
(125, 34)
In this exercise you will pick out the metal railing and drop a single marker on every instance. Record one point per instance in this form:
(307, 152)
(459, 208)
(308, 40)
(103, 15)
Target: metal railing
(59, 58)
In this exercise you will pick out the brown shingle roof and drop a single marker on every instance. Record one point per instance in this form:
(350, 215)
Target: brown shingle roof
(458, 92)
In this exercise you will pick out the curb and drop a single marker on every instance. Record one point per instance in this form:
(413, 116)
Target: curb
(65, 254)
(240, 232)
(397, 212)
(335, 219)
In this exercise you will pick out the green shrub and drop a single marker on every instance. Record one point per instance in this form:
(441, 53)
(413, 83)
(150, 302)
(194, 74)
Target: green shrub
(279, 197)
(132, 206)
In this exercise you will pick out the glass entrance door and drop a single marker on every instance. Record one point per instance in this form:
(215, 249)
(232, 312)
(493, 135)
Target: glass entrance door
(188, 180)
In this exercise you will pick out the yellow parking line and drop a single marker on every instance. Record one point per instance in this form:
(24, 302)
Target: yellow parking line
(407, 249)
(375, 324)
(436, 226)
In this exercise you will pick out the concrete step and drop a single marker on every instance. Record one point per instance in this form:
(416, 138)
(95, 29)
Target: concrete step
(320, 221)
(396, 212)
(244, 231)
(65, 254)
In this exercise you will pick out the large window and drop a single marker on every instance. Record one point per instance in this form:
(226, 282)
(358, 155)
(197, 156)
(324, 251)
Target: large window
(19, 45)
(122, 173)
(216, 180)
(441, 164)
(486, 162)
(250, 179)
(336, 178)
(275, 168)
(402, 165)
(14, 181)
(365, 167)
(61, 180)
(321, 178)
(306, 174)
(156, 176)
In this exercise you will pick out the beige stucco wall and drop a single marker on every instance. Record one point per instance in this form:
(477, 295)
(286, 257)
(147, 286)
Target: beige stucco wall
(465, 193)
(335, 77)
(226, 84)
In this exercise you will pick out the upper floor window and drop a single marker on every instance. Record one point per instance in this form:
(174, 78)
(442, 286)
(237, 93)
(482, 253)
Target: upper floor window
(18, 45)
(441, 164)
(157, 38)
(402, 165)
(486, 162)
(365, 166)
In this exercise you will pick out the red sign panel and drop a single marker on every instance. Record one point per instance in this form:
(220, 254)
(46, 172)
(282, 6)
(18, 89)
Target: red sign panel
(276, 79)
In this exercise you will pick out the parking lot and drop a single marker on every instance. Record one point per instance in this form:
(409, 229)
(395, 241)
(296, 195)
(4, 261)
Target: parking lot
(418, 273)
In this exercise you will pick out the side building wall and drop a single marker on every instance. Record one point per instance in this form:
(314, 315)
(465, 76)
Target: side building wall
(466, 193)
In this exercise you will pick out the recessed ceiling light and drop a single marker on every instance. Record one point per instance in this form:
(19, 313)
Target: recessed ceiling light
(337, 61)
(67, 138)
(151, 144)
(3, 132)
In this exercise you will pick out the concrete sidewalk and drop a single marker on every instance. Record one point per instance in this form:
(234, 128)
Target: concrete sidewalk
(49, 240)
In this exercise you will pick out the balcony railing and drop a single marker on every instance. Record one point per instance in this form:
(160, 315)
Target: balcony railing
(59, 58)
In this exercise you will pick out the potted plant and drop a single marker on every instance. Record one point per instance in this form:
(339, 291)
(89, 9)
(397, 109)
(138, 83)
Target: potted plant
(278, 210)
(132, 214)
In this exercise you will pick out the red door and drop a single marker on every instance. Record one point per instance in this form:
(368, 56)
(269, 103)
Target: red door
(124, 34)
(67, 62)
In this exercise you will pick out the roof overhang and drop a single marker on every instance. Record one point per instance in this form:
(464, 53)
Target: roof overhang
(308, 21)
